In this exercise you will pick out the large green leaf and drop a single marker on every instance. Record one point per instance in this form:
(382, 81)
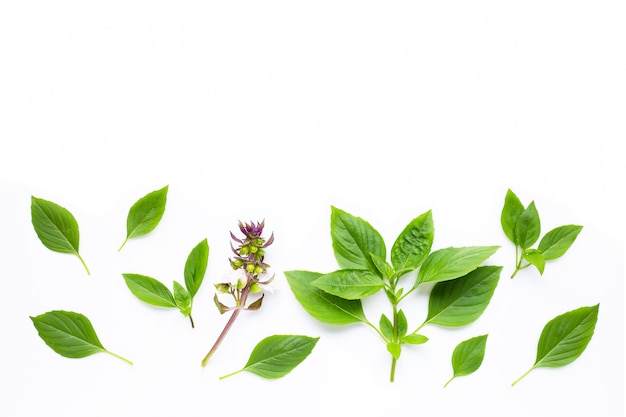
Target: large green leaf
(351, 284)
(468, 356)
(56, 227)
(322, 306)
(557, 241)
(461, 301)
(195, 267)
(149, 290)
(450, 263)
(69, 334)
(512, 210)
(414, 243)
(528, 227)
(276, 356)
(353, 240)
(565, 338)
(145, 214)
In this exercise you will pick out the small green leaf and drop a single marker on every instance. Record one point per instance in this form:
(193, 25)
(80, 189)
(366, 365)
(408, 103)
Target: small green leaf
(461, 301)
(386, 328)
(276, 356)
(145, 214)
(195, 267)
(565, 338)
(535, 257)
(351, 284)
(382, 266)
(56, 227)
(182, 298)
(468, 356)
(149, 290)
(395, 349)
(450, 263)
(512, 210)
(414, 243)
(69, 334)
(353, 240)
(528, 227)
(403, 325)
(322, 306)
(557, 241)
(414, 339)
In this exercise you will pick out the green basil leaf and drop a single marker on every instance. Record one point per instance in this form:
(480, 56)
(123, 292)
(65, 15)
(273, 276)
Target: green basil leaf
(145, 214)
(386, 328)
(351, 284)
(461, 301)
(414, 243)
(468, 356)
(56, 227)
(414, 339)
(382, 266)
(353, 240)
(149, 290)
(195, 267)
(557, 241)
(565, 338)
(182, 298)
(528, 227)
(276, 356)
(535, 257)
(69, 334)
(451, 263)
(395, 349)
(322, 306)
(511, 212)
(403, 325)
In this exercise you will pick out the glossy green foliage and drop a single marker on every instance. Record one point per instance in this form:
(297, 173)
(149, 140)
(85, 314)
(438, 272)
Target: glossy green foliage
(468, 356)
(461, 301)
(322, 306)
(153, 292)
(144, 216)
(522, 226)
(353, 240)
(565, 338)
(56, 227)
(69, 334)
(276, 356)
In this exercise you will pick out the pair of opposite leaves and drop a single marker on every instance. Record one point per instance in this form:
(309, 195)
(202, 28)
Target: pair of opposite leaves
(72, 335)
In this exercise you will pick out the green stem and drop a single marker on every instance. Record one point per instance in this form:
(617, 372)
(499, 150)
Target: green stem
(395, 340)
(83, 262)
(420, 327)
(122, 245)
(119, 357)
(450, 380)
(521, 377)
(375, 328)
(393, 369)
(231, 374)
(191, 320)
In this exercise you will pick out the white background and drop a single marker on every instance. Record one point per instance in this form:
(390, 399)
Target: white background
(277, 110)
